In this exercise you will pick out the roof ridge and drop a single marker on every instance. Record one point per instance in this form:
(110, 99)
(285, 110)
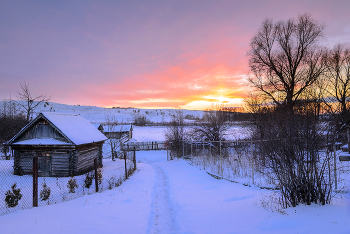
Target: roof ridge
(60, 113)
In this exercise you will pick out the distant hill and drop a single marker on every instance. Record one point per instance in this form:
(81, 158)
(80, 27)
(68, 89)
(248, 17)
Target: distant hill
(123, 115)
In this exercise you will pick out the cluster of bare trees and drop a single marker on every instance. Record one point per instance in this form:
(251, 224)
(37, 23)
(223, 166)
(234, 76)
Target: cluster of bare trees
(297, 80)
(215, 123)
(175, 134)
(290, 65)
(14, 115)
(140, 119)
(214, 126)
(11, 121)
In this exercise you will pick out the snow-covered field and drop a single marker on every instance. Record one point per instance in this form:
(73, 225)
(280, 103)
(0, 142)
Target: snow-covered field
(174, 197)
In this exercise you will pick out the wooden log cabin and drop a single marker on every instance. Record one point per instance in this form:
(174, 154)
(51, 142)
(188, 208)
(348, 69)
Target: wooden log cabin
(114, 131)
(66, 145)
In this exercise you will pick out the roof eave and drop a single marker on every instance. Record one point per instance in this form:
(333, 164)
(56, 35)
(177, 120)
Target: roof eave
(31, 123)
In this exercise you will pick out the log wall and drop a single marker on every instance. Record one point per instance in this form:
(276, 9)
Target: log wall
(23, 162)
(63, 161)
(85, 158)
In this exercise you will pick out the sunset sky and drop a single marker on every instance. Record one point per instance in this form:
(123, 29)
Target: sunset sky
(145, 54)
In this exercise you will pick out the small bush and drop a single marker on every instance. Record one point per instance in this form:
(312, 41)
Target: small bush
(130, 171)
(72, 185)
(88, 180)
(45, 192)
(12, 197)
(99, 175)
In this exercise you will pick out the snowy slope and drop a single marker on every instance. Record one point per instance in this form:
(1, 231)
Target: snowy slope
(123, 115)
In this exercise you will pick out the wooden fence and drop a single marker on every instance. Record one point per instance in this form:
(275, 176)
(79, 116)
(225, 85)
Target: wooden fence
(144, 146)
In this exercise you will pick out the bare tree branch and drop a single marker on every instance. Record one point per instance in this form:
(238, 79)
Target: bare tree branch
(31, 102)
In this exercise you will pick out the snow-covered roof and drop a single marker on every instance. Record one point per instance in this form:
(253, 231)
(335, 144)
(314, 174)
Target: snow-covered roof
(117, 128)
(96, 125)
(75, 127)
(44, 141)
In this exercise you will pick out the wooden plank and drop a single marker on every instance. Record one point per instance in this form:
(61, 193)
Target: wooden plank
(35, 181)
(86, 157)
(344, 158)
(96, 175)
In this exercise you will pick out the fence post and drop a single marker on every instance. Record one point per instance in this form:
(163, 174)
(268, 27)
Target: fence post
(7, 157)
(209, 148)
(35, 181)
(222, 173)
(191, 150)
(335, 169)
(252, 154)
(183, 149)
(126, 170)
(134, 158)
(96, 175)
(204, 155)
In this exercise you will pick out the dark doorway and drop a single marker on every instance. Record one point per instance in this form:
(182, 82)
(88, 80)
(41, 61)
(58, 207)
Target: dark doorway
(44, 165)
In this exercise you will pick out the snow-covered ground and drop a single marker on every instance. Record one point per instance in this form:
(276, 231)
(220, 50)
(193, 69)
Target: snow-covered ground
(149, 133)
(175, 197)
(112, 172)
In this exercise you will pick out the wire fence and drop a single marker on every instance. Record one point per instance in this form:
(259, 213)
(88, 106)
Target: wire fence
(18, 192)
(237, 161)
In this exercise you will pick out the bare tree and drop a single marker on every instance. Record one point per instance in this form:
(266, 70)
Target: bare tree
(31, 102)
(338, 77)
(288, 67)
(175, 134)
(114, 131)
(214, 126)
(286, 59)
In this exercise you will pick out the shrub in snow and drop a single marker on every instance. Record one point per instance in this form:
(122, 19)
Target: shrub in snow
(72, 185)
(130, 171)
(12, 197)
(99, 175)
(45, 192)
(88, 180)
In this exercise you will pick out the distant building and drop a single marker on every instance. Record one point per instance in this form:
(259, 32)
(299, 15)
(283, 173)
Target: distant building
(66, 144)
(114, 131)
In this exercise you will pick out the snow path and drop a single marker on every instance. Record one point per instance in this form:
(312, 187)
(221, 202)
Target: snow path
(162, 219)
